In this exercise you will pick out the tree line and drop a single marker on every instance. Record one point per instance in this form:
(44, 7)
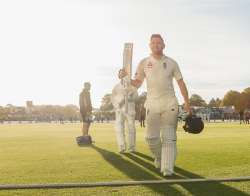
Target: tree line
(239, 100)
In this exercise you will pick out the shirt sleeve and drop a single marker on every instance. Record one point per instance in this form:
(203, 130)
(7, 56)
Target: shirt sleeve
(113, 101)
(177, 72)
(140, 74)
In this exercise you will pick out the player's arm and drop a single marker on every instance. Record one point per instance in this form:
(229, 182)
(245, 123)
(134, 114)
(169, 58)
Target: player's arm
(113, 101)
(183, 88)
(139, 75)
(80, 101)
(85, 102)
(184, 92)
(134, 82)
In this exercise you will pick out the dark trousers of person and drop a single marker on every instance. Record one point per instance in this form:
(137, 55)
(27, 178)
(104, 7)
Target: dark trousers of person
(247, 120)
(142, 121)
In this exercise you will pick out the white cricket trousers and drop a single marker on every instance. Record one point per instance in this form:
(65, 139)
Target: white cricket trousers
(121, 119)
(161, 132)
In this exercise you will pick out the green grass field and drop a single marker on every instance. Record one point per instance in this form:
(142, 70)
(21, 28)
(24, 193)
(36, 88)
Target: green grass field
(47, 153)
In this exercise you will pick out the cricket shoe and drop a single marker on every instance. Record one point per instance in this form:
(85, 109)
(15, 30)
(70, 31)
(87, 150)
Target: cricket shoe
(122, 149)
(131, 150)
(167, 173)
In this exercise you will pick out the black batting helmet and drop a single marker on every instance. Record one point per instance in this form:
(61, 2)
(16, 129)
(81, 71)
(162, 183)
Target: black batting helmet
(193, 124)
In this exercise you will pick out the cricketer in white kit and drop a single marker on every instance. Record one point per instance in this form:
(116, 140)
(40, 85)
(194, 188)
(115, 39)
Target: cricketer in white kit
(123, 115)
(161, 104)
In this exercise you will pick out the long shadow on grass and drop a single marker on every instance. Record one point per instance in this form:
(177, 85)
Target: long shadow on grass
(134, 171)
(206, 189)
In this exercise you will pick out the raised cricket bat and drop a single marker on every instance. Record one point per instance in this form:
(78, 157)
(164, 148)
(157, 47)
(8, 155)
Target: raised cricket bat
(127, 66)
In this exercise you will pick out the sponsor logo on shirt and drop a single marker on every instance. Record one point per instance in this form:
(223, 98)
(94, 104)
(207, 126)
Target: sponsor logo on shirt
(164, 65)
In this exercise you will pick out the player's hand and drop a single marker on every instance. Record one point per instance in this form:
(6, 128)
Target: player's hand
(122, 73)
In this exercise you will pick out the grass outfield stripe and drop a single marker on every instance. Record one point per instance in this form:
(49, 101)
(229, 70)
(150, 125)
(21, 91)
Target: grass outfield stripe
(119, 183)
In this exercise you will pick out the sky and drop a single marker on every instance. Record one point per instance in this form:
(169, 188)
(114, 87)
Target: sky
(49, 48)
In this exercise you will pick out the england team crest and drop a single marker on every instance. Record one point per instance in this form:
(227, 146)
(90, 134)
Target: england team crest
(149, 65)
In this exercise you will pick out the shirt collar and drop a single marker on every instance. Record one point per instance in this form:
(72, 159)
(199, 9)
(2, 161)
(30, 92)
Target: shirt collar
(163, 57)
